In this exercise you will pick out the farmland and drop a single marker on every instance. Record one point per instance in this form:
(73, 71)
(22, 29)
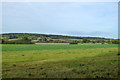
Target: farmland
(60, 61)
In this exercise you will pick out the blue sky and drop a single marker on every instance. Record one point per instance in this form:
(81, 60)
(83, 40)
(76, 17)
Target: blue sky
(96, 19)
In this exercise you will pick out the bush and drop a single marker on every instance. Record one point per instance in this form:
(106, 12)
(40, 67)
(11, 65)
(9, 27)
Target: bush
(17, 42)
(73, 43)
(84, 40)
(115, 41)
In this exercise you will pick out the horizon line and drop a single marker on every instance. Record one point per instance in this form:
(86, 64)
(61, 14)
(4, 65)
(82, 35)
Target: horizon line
(54, 34)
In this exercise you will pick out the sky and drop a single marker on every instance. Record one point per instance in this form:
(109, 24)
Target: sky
(87, 19)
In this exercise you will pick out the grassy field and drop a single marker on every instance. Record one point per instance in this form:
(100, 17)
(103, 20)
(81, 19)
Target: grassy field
(75, 39)
(60, 61)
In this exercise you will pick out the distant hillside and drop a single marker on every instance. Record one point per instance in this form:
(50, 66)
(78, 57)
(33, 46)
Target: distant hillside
(30, 38)
(35, 36)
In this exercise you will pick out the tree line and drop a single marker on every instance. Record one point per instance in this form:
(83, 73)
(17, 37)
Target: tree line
(23, 40)
(27, 38)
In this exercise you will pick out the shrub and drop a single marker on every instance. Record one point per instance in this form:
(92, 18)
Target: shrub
(73, 43)
(115, 41)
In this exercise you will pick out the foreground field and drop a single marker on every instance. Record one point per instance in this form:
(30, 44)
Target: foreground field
(60, 61)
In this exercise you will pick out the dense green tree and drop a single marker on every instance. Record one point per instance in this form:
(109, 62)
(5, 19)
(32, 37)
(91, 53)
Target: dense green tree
(25, 38)
(84, 40)
(115, 41)
(74, 42)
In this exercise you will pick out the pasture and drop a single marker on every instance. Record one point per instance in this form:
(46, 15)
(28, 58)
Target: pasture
(60, 61)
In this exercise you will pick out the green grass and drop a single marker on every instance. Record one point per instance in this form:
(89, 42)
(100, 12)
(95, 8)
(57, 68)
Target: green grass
(76, 39)
(12, 39)
(60, 61)
(31, 47)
